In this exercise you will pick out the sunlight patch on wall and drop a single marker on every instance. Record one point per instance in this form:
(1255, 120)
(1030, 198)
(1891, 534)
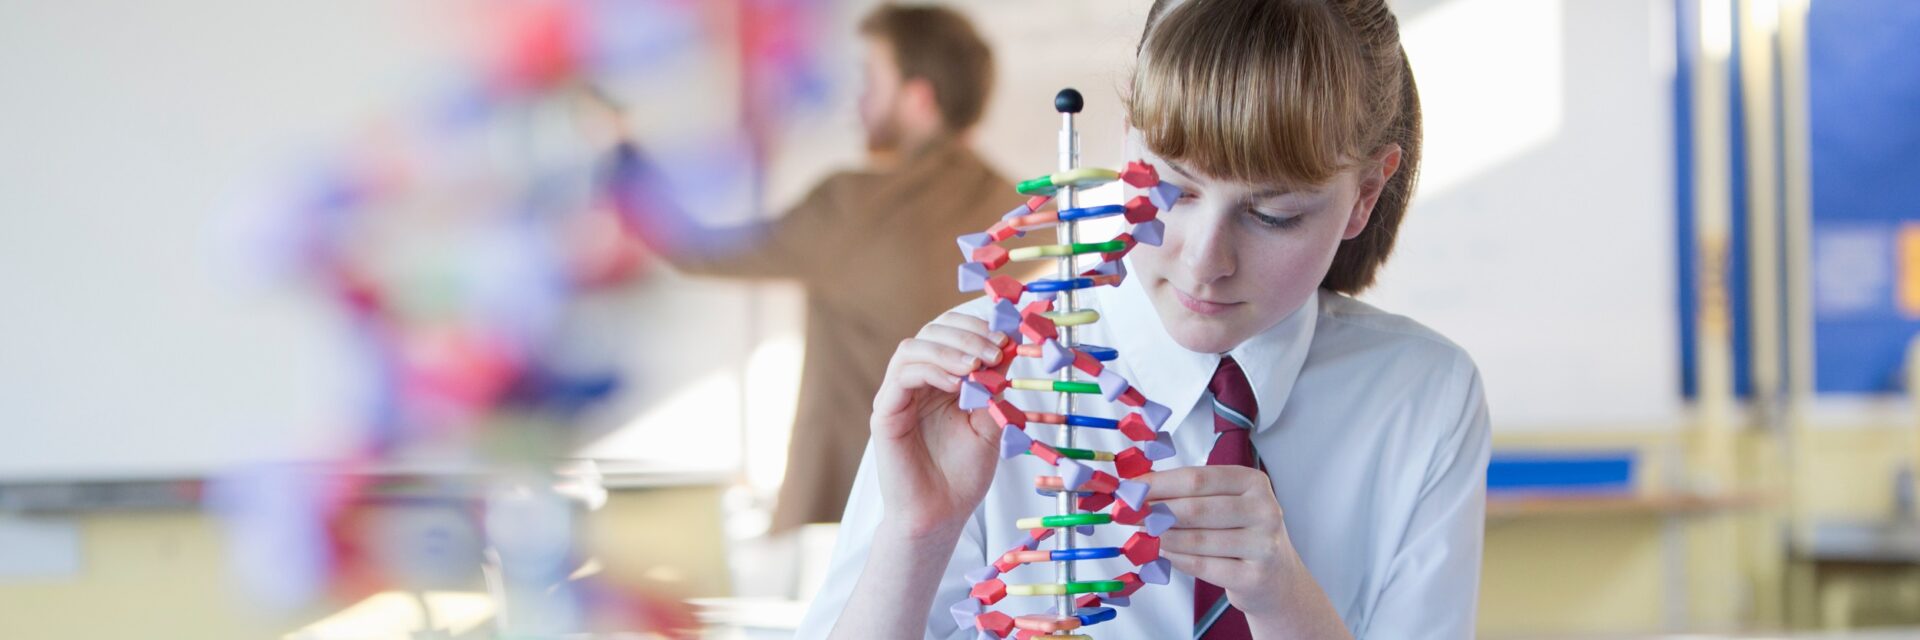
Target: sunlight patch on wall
(697, 428)
(1491, 76)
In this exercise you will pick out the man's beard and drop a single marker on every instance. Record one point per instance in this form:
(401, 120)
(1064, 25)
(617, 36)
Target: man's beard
(883, 136)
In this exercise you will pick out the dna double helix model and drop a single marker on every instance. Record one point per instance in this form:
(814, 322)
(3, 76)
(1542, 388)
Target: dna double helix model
(1043, 328)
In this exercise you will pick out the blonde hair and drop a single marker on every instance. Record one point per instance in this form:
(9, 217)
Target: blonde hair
(1287, 92)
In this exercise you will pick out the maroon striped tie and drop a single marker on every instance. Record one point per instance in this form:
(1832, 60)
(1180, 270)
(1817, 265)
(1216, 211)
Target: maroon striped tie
(1234, 411)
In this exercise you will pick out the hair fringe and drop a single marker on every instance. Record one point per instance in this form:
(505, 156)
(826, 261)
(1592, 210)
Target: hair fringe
(1288, 92)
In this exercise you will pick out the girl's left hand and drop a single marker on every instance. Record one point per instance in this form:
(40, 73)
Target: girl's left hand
(1229, 531)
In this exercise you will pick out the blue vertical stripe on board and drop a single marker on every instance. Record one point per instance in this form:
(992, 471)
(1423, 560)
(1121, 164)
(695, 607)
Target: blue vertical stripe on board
(1686, 42)
(1739, 251)
(1685, 30)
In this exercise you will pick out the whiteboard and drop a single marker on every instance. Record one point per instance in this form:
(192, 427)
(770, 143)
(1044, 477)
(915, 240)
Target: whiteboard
(132, 345)
(1542, 236)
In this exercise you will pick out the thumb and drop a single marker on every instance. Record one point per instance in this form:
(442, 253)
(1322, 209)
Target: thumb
(984, 426)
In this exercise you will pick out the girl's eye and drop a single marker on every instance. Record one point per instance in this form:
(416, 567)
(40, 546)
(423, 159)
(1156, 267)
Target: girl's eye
(1276, 222)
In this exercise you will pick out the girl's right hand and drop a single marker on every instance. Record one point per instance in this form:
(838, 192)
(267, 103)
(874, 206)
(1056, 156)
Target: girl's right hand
(936, 460)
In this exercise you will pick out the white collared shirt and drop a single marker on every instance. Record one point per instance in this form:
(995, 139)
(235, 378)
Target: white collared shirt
(1372, 427)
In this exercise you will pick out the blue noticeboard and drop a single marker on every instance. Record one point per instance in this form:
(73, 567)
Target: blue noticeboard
(1864, 97)
(1864, 110)
(1560, 472)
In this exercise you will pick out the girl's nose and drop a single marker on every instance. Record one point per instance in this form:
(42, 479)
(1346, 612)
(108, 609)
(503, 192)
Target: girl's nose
(1207, 249)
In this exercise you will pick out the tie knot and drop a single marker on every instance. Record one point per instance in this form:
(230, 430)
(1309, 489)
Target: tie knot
(1234, 406)
(1226, 376)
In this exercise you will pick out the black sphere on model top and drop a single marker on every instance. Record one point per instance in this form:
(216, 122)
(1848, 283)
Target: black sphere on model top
(1067, 101)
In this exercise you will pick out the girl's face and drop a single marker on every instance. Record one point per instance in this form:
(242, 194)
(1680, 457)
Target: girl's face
(1238, 258)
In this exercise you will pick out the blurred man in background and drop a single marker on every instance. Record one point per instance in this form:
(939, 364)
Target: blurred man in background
(874, 248)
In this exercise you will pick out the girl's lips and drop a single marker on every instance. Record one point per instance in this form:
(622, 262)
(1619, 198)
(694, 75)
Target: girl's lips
(1201, 307)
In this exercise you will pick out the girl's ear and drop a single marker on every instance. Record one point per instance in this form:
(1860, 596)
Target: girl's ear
(1373, 179)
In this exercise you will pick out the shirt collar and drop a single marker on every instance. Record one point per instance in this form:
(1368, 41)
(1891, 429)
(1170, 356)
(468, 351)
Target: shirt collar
(932, 150)
(1272, 359)
(1173, 376)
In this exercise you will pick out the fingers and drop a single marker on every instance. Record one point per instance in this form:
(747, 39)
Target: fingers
(965, 332)
(1240, 544)
(902, 379)
(1214, 569)
(953, 360)
(957, 343)
(1216, 480)
(918, 375)
(1212, 512)
(978, 344)
(951, 346)
(984, 426)
(961, 321)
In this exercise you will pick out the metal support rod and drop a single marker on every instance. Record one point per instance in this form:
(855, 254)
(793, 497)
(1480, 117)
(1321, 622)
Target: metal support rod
(1069, 235)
